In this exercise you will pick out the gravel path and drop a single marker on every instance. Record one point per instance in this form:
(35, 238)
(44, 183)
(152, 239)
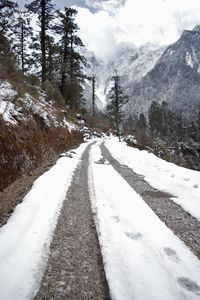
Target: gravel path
(186, 227)
(75, 269)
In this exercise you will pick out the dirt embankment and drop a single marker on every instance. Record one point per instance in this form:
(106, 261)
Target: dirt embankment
(26, 151)
(24, 147)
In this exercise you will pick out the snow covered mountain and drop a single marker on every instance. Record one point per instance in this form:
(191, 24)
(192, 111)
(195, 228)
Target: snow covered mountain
(150, 73)
(129, 62)
(175, 77)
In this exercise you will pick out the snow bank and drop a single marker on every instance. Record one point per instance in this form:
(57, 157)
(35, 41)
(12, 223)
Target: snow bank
(143, 259)
(25, 239)
(180, 182)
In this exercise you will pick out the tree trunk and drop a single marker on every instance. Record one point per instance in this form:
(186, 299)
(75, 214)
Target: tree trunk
(22, 46)
(43, 41)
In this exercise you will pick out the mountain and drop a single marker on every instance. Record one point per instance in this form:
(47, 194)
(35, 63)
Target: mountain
(175, 78)
(131, 63)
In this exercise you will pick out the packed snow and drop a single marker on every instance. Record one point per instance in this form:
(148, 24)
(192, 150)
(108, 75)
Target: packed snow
(25, 239)
(183, 184)
(143, 259)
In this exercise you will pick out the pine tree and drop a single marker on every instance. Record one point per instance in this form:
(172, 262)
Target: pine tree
(22, 34)
(142, 122)
(7, 60)
(7, 9)
(155, 118)
(71, 61)
(118, 100)
(45, 11)
(51, 59)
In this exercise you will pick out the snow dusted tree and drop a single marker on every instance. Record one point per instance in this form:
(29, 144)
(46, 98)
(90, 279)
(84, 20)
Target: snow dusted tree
(45, 12)
(118, 100)
(7, 9)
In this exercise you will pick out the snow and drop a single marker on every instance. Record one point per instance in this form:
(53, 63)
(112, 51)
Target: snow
(7, 108)
(143, 259)
(189, 60)
(71, 126)
(25, 239)
(183, 184)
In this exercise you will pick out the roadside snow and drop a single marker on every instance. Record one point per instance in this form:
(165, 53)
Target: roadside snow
(25, 239)
(180, 182)
(143, 259)
(7, 108)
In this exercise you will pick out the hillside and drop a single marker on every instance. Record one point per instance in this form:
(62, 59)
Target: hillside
(33, 130)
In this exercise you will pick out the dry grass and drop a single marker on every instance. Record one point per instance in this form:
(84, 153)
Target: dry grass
(26, 146)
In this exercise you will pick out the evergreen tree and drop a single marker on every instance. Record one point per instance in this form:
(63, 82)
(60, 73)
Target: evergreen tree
(22, 34)
(118, 100)
(45, 12)
(71, 61)
(7, 61)
(7, 9)
(165, 121)
(142, 122)
(51, 59)
(155, 117)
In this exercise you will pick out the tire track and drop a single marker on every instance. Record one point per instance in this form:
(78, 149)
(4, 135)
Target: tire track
(75, 268)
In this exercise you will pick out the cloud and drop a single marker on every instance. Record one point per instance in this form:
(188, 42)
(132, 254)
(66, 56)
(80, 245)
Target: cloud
(134, 21)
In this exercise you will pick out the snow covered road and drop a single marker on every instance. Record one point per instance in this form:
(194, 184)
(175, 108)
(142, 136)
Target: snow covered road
(143, 258)
(25, 239)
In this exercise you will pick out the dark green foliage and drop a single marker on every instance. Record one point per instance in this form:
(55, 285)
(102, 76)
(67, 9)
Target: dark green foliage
(7, 9)
(45, 12)
(7, 60)
(117, 101)
(21, 39)
(172, 126)
(71, 61)
(142, 122)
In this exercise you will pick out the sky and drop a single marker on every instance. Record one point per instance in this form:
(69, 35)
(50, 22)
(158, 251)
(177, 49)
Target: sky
(105, 24)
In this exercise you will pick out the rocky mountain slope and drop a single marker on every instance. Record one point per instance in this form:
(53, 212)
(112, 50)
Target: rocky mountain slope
(129, 62)
(175, 77)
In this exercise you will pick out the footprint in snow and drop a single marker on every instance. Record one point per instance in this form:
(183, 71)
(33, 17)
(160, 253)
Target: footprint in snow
(116, 218)
(133, 236)
(172, 175)
(189, 285)
(172, 255)
(186, 179)
(195, 186)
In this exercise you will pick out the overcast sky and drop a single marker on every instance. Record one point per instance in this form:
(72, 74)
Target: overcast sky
(104, 24)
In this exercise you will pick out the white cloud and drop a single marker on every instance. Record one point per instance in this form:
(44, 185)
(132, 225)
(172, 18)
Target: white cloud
(137, 22)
